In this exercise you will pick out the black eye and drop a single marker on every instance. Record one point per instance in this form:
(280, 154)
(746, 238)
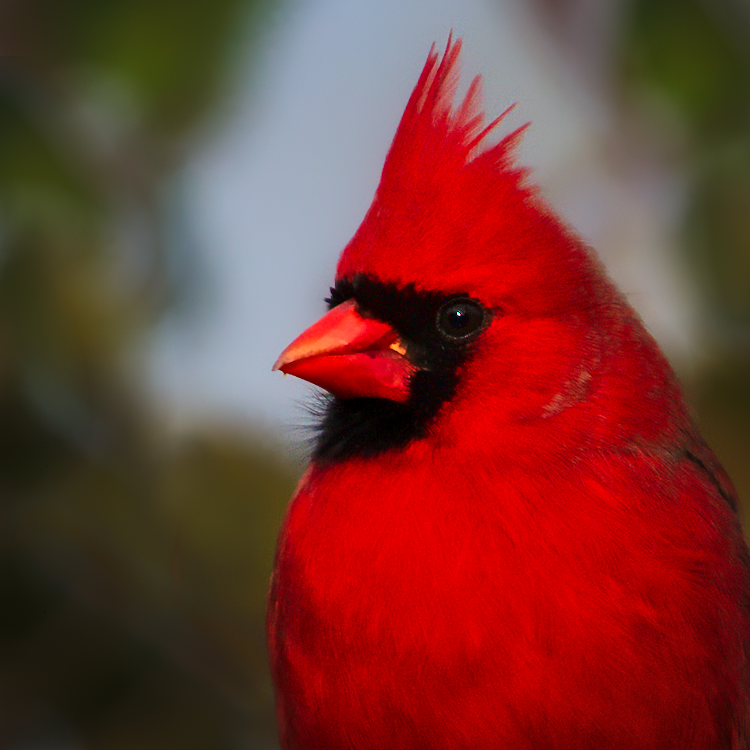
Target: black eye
(459, 319)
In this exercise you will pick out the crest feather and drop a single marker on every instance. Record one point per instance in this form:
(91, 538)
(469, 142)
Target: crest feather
(430, 117)
(453, 213)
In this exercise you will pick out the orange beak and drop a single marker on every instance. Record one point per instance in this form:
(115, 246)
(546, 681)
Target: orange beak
(351, 356)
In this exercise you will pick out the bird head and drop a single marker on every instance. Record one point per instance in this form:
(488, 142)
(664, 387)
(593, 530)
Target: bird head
(462, 299)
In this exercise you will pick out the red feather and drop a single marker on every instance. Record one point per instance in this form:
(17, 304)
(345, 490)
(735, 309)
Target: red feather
(555, 562)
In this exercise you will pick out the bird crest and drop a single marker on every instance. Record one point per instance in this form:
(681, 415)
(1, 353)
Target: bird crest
(431, 124)
(445, 193)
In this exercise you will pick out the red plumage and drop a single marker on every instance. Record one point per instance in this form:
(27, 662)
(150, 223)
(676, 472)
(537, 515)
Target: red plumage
(546, 557)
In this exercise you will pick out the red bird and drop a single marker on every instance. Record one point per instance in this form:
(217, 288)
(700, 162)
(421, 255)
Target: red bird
(511, 535)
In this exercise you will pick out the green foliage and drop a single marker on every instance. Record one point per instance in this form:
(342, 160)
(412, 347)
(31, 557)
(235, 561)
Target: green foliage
(133, 563)
(693, 56)
(717, 238)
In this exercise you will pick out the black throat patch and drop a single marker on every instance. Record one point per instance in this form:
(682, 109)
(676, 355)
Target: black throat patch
(367, 427)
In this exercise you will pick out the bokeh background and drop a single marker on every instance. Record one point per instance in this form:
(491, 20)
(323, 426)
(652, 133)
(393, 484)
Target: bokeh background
(176, 181)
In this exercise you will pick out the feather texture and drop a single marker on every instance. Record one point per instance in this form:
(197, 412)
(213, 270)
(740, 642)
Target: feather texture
(553, 559)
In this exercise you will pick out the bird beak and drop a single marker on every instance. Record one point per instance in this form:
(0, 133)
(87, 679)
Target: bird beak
(351, 356)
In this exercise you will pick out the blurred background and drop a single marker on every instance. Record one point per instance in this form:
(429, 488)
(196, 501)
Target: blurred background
(176, 182)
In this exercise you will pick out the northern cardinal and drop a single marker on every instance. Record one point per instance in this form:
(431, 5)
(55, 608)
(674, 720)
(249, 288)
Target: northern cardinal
(511, 535)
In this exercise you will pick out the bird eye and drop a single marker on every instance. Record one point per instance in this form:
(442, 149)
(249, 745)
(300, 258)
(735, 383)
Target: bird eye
(460, 318)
